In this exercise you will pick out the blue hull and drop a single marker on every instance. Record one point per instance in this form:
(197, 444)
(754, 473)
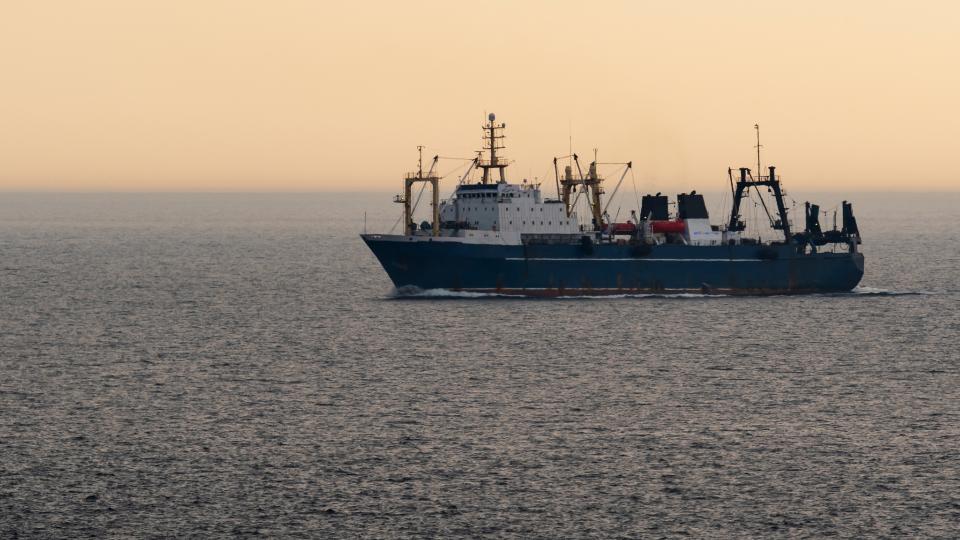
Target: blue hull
(570, 269)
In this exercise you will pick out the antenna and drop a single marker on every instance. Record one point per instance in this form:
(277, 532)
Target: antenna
(420, 162)
(757, 127)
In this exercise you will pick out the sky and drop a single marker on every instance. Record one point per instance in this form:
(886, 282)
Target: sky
(283, 95)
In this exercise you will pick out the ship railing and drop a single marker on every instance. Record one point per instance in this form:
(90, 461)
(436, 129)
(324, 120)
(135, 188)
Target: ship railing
(496, 162)
(417, 176)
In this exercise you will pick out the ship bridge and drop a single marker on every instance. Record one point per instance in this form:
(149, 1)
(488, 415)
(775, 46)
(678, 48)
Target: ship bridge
(503, 206)
(506, 207)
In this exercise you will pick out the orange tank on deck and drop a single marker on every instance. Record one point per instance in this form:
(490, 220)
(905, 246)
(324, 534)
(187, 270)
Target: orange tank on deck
(622, 228)
(667, 226)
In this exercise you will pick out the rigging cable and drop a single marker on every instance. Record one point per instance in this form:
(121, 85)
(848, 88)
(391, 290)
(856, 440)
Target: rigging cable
(412, 209)
(760, 196)
(423, 187)
(636, 193)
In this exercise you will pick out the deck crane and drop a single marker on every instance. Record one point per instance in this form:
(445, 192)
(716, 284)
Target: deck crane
(626, 169)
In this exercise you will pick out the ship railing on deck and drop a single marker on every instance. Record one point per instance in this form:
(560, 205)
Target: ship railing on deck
(493, 163)
(415, 176)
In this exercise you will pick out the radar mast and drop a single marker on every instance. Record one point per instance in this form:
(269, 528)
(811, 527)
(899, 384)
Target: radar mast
(493, 141)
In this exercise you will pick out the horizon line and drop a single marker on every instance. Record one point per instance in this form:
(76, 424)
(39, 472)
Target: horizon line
(364, 191)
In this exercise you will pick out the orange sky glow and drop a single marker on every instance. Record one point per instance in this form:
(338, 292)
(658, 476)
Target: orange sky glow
(202, 95)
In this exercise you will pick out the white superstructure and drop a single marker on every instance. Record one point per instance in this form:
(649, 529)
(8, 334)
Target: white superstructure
(508, 208)
(699, 232)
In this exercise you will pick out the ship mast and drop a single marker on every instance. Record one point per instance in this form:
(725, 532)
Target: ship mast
(747, 180)
(590, 184)
(757, 127)
(409, 206)
(493, 141)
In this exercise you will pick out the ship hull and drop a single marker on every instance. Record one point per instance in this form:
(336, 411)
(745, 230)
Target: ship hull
(607, 269)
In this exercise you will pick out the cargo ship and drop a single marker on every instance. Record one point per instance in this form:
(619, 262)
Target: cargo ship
(494, 236)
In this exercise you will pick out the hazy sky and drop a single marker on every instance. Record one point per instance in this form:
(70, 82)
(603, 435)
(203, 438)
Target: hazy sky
(314, 95)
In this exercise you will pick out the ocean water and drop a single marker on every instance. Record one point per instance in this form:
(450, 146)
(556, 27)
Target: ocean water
(209, 365)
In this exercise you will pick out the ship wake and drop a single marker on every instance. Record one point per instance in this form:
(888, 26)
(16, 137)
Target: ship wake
(418, 293)
(877, 291)
(439, 294)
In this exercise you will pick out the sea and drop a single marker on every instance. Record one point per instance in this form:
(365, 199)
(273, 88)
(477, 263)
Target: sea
(238, 365)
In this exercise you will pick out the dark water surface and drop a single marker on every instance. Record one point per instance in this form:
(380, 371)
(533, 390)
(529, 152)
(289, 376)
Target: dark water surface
(232, 365)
